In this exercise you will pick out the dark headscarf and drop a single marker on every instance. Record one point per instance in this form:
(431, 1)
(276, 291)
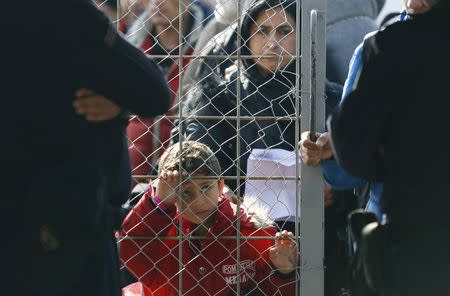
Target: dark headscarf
(289, 6)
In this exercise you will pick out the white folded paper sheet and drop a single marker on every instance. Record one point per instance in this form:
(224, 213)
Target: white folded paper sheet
(277, 194)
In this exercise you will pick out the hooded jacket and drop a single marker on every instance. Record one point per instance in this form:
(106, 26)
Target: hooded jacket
(347, 23)
(271, 96)
(209, 265)
(149, 137)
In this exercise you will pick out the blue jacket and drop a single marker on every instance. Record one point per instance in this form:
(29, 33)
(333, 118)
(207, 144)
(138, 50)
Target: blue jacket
(333, 173)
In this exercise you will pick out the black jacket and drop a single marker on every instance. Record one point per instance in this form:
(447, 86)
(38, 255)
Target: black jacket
(271, 96)
(391, 128)
(260, 96)
(59, 171)
(347, 23)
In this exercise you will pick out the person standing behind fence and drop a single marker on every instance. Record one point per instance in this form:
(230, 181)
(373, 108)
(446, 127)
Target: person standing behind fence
(130, 10)
(209, 261)
(156, 32)
(347, 23)
(267, 88)
(401, 95)
(64, 158)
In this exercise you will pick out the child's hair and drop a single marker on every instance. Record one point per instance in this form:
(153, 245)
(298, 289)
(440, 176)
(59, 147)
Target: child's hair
(195, 159)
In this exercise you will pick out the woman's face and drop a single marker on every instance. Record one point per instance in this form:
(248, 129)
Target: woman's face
(272, 36)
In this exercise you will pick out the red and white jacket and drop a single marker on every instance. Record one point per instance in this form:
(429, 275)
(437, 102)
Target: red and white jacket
(148, 138)
(209, 265)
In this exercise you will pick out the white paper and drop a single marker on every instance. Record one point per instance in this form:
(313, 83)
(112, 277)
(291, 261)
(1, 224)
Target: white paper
(277, 195)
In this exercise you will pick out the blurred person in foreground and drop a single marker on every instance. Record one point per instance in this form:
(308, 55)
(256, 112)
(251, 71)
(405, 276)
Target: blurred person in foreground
(319, 152)
(65, 163)
(400, 94)
(209, 262)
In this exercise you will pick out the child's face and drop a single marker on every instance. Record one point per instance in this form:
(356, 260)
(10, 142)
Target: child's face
(200, 199)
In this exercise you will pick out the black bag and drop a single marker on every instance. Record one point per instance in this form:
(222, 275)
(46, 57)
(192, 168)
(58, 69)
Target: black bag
(375, 250)
(370, 265)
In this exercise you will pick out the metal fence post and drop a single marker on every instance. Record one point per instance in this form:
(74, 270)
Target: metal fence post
(311, 189)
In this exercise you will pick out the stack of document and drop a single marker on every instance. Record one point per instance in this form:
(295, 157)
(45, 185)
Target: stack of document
(278, 190)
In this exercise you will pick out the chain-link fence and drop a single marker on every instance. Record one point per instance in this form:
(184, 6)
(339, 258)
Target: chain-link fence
(239, 72)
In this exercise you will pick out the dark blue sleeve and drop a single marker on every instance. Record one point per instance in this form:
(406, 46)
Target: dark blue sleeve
(333, 96)
(110, 65)
(337, 177)
(357, 127)
(334, 174)
(136, 82)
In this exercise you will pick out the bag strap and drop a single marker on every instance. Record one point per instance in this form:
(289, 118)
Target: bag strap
(362, 194)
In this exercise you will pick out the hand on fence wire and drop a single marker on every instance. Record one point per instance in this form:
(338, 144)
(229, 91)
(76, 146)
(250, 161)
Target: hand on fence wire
(94, 107)
(311, 152)
(284, 253)
(168, 183)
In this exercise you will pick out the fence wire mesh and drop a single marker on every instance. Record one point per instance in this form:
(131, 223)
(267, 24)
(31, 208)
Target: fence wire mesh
(233, 68)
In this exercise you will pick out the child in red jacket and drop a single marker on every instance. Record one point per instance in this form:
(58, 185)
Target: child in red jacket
(213, 256)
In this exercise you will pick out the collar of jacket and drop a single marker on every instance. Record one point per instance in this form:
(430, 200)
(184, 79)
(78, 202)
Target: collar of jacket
(141, 27)
(280, 82)
(224, 220)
